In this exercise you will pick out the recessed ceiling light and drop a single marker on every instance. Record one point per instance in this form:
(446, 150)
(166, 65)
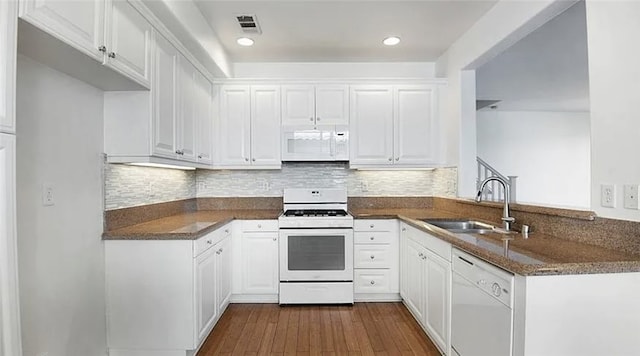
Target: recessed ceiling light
(391, 41)
(245, 41)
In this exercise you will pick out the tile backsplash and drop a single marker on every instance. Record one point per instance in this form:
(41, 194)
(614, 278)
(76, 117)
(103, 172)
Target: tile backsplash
(128, 186)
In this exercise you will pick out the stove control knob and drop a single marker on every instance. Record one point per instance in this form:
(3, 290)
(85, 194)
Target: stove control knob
(496, 289)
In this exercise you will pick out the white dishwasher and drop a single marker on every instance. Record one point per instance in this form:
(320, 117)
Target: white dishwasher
(481, 308)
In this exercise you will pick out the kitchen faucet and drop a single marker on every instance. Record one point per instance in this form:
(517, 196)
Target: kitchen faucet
(506, 219)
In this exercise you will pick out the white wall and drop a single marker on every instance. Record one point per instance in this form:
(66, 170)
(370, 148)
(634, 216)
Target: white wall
(61, 256)
(614, 80)
(502, 26)
(334, 70)
(548, 151)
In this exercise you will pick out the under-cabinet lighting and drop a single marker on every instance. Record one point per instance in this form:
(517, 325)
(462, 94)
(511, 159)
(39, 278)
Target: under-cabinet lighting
(161, 165)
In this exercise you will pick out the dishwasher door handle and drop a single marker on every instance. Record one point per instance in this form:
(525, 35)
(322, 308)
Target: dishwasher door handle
(465, 260)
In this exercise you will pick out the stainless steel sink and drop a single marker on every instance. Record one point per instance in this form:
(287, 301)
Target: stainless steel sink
(462, 226)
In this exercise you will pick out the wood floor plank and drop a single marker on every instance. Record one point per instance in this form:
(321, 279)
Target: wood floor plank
(365, 329)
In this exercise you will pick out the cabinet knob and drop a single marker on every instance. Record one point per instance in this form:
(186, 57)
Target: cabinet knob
(102, 49)
(372, 226)
(424, 257)
(390, 159)
(397, 159)
(371, 238)
(259, 226)
(373, 257)
(373, 282)
(177, 152)
(226, 231)
(420, 254)
(253, 159)
(310, 119)
(199, 156)
(112, 55)
(218, 252)
(275, 239)
(246, 160)
(404, 229)
(317, 119)
(209, 242)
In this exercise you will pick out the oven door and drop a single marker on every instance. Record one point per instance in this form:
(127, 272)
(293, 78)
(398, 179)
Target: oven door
(316, 255)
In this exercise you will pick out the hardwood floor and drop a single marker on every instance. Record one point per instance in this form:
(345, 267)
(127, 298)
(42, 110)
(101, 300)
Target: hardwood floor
(362, 329)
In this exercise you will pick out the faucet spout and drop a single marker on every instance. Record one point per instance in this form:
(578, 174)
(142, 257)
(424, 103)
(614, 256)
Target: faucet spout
(507, 220)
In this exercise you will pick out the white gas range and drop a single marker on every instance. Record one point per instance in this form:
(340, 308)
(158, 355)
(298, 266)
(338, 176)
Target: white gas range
(316, 247)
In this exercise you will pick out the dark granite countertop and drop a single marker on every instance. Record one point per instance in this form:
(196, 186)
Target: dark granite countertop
(186, 226)
(540, 254)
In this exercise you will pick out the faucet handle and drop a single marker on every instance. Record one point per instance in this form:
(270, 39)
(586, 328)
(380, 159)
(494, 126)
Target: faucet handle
(509, 219)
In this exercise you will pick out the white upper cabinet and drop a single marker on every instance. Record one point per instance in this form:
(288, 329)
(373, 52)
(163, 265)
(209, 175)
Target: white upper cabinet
(414, 125)
(186, 120)
(128, 42)
(234, 127)
(371, 125)
(315, 104)
(265, 125)
(164, 99)
(8, 35)
(248, 129)
(204, 118)
(393, 125)
(111, 31)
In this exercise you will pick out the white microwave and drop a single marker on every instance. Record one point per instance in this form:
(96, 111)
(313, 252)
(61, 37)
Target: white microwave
(315, 143)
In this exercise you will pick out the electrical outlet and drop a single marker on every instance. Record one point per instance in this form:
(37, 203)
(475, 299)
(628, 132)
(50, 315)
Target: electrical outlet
(364, 186)
(608, 195)
(47, 195)
(265, 185)
(631, 196)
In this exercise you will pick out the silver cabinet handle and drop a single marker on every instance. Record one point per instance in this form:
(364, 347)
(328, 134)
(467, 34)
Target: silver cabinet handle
(199, 156)
(275, 239)
(209, 242)
(177, 152)
(371, 238)
(102, 49)
(372, 226)
(112, 55)
(372, 257)
(424, 257)
(218, 252)
(420, 254)
(253, 159)
(397, 158)
(373, 282)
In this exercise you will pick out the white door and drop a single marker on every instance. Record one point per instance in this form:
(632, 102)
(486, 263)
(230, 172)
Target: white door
(260, 263)
(332, 104)
(298, 105)
(128, 39)
(371, 125)
(415, 280)
(77, 23)
(233, 134)
(164, 99)
(204, 118)
(223, 274)
(8, 36)
(265, 125)
(206, 307)
(414, 125)
(9, 311)
(437, 296)
(186, 119)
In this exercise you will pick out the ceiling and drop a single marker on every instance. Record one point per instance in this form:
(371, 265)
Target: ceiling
(343, 31)
(545, 71)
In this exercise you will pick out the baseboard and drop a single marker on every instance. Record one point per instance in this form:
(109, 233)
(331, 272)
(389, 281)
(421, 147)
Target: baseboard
(121, 352)
(377, 297)
(254, 298)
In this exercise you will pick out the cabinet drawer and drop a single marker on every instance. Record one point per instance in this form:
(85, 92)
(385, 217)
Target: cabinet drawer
(372, 256)
(371, 281)
(259, 225)
(207, 241)
(374, 225)
(373, 237)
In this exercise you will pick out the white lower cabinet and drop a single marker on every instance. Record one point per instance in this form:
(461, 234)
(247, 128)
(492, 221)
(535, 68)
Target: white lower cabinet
(165, 296)
(256, 268)
(376, 273)
(426, 283)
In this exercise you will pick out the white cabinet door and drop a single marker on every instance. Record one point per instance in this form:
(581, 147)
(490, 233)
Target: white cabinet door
(332, 105)
(8, 36)
(205, 292)
(437, 297)
(265, 125)
(371, 125)
(414, 125)
(128, 41)
(186, 119)
(9, 309)
(164, 98)
(404, 255)
(204, 118)
(415, 297)
(78, 23)
(234, 135)
(298, 105)
(223, 274)
(260, 263)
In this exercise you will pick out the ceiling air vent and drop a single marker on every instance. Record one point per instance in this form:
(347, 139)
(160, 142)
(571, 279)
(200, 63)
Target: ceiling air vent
(249, 24)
